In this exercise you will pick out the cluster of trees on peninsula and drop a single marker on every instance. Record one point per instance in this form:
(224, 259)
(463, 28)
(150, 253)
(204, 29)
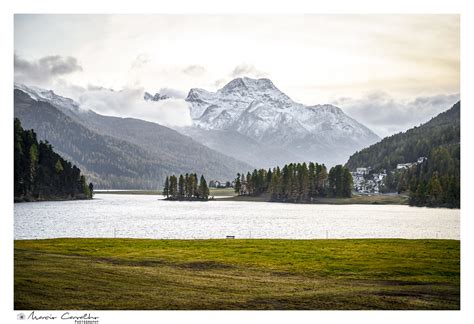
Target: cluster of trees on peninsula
(186, 187)
(42, 174)
(296, 182)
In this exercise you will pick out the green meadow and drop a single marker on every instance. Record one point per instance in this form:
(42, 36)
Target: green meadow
(140, 274)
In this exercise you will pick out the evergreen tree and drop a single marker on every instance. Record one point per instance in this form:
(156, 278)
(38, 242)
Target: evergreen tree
(434, 190)
(238, 184)
(187, 186)
(91, 189)
(173, 189)
(191, 185)
(181, 186)
(195, 186)
(249, 184)
(203, 189)
(166, 188)
(347, 183)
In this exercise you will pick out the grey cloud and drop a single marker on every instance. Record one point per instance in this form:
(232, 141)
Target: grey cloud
(129, 102)
(221, 82)
(194, 70)
(386, 115)
(249, 70)
(172, 93)
(93, 87)
(45, 69)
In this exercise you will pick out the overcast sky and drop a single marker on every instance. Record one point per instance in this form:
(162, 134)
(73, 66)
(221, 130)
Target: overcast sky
(390, 72)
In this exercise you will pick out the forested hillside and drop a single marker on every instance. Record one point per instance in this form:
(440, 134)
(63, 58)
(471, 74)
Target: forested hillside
(434, 182)
(42, 174)
(442, 130)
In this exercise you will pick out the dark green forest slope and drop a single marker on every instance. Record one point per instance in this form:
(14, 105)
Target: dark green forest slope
(435, 181)
(442, 130)
(42, 174)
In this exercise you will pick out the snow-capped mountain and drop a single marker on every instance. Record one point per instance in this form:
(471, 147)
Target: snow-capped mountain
(257, 109)
(116, 152)
(49, 96)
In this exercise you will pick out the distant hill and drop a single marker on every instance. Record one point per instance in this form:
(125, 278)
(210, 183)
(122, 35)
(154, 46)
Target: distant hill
(120, 153)
(442, 130)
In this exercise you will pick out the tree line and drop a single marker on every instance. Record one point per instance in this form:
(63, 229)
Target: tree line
(42, 174)
(296, 182)
(434, 183)
(185, 187)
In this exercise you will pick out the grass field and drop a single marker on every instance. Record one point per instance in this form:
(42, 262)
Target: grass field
(236, 274)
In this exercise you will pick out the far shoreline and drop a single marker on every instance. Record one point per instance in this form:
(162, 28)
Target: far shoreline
(228, 194)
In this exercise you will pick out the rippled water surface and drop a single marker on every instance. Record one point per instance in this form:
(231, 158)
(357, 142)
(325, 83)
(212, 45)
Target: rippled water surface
(144, 216)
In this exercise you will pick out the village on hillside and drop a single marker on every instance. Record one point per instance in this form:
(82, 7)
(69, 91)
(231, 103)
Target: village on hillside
(368, 182)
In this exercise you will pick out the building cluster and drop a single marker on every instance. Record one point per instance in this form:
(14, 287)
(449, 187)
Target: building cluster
(367, 182)
(220, 184)
(401, 166)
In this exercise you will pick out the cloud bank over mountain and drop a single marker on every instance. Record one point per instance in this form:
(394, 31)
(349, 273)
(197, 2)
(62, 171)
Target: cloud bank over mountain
(129, 102)
(386, 115)
(48, 72)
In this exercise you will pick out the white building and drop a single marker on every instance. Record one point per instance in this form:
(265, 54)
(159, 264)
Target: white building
(404, 166)
(422, 159)
(362, 171)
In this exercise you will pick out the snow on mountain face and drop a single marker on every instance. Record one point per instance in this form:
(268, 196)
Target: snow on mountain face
(256, 108)
(49, 96)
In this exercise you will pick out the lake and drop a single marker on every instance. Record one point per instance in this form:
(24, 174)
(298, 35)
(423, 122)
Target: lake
(145, 216)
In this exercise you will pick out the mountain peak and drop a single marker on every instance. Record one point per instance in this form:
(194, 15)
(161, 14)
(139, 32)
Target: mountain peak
(50, 96)
(246, 84)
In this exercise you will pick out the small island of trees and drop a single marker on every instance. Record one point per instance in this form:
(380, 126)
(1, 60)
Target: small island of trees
(186, 187)
(296, 182)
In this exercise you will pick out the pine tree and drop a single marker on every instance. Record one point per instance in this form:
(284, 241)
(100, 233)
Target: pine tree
(195, 186)
(434, 190)
(181, 187)
(249, 184)
(91, 189)
(58, 167)
(420, 194)
(347, 183)
(173, 187)
(203, 189)
(166, 188)
(238, 184)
